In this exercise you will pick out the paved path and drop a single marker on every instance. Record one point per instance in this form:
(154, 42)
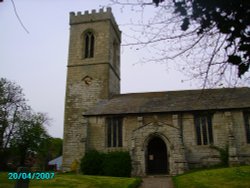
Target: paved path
(157, 182)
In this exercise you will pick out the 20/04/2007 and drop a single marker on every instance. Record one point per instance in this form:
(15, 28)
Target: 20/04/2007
(31, 175)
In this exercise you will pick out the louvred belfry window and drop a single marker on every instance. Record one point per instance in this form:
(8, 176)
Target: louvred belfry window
(89, 41)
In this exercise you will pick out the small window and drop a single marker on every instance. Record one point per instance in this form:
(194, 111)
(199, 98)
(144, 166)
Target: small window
(89, 41)
(115, 58)
(203, 127)
(114, 132)
(247, 125)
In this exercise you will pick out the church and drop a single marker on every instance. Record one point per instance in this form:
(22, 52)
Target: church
(164, 132)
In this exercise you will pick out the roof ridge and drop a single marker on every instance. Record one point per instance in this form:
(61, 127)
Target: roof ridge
(174, 101)
(170, 91)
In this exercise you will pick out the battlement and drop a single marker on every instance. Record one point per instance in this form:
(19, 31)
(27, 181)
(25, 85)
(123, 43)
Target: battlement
(93, 16)
(101, 11)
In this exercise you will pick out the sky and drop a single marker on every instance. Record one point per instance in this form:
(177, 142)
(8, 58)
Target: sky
(37, 60)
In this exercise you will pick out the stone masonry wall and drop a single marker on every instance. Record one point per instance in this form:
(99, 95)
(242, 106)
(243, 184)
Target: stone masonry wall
(183, 153)
(137, 131)
(89, 80)
(225, 123)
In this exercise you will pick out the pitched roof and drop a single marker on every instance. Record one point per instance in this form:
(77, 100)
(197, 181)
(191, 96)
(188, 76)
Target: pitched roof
(174, 101)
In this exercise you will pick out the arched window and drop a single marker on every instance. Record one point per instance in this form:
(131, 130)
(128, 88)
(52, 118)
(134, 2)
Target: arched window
(89, 41)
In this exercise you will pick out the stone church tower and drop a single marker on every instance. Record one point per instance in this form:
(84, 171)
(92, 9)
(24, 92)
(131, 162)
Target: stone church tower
(93, 74)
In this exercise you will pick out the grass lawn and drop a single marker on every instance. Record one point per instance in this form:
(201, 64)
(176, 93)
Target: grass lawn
(75, 181)
(221, 178)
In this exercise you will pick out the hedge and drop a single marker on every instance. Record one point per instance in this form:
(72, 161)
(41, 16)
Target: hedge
(91, 163)
(117, 164)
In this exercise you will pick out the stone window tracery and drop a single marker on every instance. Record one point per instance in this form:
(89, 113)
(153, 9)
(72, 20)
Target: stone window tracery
(89, 43)
(204, 129)
(114, 132)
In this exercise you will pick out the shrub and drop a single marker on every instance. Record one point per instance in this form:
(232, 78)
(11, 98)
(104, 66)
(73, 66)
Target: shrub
(224, 155)
(91, 163)
(117, 164)
(74, 166)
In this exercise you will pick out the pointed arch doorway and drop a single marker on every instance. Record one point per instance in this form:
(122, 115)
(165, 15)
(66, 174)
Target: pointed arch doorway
(156, 157)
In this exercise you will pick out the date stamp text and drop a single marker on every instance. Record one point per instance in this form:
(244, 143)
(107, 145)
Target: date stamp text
(31, 175)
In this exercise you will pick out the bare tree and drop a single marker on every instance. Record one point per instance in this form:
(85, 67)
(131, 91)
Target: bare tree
(171, 33)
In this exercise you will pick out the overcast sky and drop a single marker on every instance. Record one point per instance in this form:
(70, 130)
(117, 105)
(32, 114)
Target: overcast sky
(37, 61)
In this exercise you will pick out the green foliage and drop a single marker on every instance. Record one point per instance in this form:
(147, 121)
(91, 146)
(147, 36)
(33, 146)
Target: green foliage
(76, 181)
(135, 184)
(56, 145)
(92, 163)
(12, 104)
(49, 149)
(215, 178)
(157, 2)
(29, 135)
(230, 18)
(74, 166)
(224, 155)
(117, 164)
(22, 131)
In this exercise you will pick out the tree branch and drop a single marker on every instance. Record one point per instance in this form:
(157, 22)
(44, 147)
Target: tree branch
(18, 17)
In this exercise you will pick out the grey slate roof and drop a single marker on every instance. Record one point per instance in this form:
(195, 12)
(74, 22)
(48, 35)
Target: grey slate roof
(174, 101)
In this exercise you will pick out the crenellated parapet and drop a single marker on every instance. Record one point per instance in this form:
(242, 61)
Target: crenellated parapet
(93, 16)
